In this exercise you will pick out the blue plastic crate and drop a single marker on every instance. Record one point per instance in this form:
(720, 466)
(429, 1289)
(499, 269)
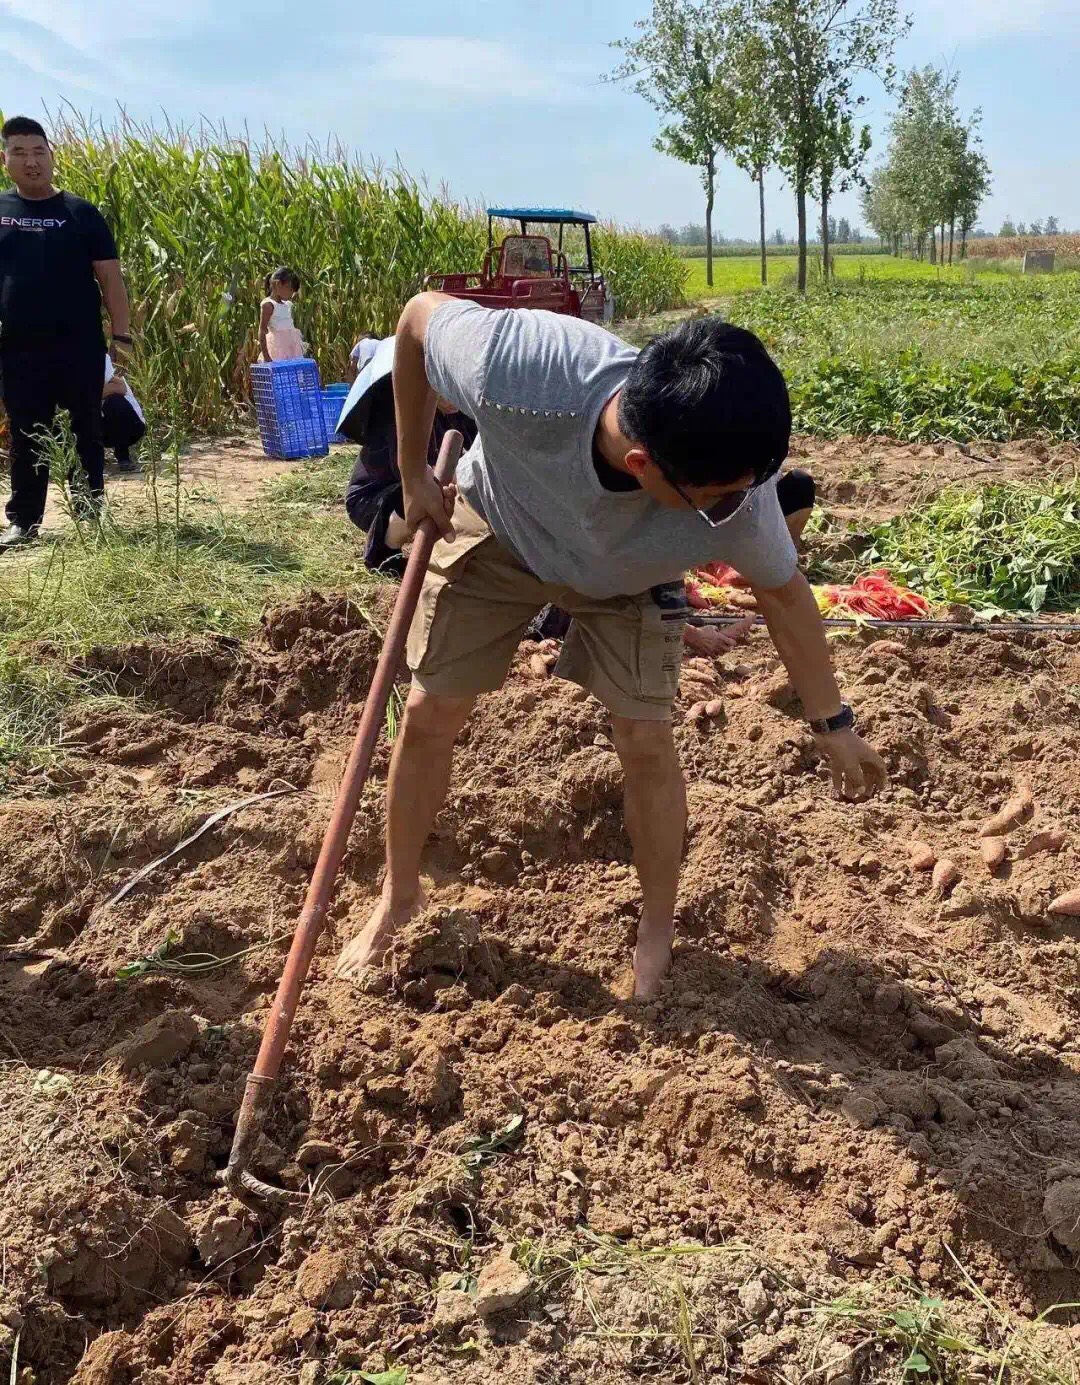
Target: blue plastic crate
(334, 397)
(289, 407)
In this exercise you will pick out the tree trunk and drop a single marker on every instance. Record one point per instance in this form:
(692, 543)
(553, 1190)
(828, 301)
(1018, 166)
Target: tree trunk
(800, 207)
(761, 209)
(963, 241)
(710, 190)
(952, 238)
(942, 261)
(824, 229)
(933, 245)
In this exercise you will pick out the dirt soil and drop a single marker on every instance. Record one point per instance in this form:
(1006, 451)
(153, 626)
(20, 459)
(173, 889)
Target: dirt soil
(851, 1078)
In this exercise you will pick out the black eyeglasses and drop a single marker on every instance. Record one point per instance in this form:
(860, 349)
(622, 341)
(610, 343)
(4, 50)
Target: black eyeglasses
(727, 505)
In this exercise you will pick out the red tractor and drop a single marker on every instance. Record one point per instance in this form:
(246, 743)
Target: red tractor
(526, 271)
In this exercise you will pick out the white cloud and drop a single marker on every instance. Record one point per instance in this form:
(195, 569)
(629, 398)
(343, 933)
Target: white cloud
(423, 71)
(81, 43)
(974, 21)
(94, 26)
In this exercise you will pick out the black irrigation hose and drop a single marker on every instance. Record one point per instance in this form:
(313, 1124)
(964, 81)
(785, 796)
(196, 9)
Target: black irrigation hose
(966, 627)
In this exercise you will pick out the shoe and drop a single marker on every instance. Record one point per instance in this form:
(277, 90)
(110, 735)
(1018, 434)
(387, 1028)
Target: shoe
(14, 535)
(127, 463)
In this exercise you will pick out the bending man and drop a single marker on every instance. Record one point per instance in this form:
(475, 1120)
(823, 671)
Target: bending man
(598, 477)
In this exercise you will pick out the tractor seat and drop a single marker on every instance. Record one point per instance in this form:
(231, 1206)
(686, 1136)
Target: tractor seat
(526, 257)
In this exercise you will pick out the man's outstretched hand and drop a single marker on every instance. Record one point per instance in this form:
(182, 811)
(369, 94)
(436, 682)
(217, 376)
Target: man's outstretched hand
(714, 640)
(427, 499)
(857, 769)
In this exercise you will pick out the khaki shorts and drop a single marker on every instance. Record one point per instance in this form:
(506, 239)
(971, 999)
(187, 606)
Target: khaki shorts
(477, 603)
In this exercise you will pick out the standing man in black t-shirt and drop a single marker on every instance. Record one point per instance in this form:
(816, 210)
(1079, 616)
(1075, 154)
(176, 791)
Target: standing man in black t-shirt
(58, 261)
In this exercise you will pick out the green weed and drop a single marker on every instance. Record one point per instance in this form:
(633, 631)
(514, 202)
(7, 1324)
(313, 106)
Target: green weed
(165, 961)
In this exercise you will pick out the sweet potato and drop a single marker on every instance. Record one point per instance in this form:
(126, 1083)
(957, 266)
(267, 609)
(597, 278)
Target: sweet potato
(1067, 904)
(946, 874)
(993, 853)
(1049, 839)
(537, 667)
(715, 708)
(923, 857)
(884, 649)
(1018, 809)
(696, 712)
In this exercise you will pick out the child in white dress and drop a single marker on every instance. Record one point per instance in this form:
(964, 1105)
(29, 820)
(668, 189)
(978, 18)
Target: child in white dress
(279, 337)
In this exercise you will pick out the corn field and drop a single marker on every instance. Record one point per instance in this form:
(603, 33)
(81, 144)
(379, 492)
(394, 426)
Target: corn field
(201, 218)
(1013, 247)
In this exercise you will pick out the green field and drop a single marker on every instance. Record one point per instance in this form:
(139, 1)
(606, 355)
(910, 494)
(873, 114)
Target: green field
(736, 274)
(912, 351)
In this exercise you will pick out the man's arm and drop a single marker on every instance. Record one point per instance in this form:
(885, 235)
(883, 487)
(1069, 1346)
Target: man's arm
(796, 628)
(114, 295)
(414, 406)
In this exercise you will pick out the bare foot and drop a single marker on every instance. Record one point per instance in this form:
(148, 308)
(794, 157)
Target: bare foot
(652, 957)
(369, 946)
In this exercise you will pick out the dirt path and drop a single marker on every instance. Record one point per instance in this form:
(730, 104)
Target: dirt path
(233, 470)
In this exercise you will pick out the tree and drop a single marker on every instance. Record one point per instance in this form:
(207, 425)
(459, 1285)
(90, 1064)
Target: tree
(778, 237)
(1051, 228)
(918, 151)
(816, 50)
(758, 134)
(1008, 227)
(683, 62)
(972, 187)
(1021, 228)
(936, 164)
(668, 233)
(842, 151)
(884, 208)
(1035, 229)
(844, 234)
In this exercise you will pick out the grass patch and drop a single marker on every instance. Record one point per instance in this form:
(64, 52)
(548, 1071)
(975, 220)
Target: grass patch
(33, 700)
(318, 483)
(134, 576)
(740, 273)
(164, 564)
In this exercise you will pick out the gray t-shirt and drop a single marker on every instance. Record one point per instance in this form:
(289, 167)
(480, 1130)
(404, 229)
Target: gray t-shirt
(536, 384)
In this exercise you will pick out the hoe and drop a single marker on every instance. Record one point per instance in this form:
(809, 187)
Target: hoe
(260, 1084)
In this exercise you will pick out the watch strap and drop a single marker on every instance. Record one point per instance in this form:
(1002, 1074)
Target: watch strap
(844, 720)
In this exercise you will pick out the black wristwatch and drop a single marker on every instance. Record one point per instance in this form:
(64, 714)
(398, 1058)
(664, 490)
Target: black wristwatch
(844, 720)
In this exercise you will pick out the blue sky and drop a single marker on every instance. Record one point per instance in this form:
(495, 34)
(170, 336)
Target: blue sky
(501, 100)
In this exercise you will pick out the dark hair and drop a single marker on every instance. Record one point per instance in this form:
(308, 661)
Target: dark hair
(284, 275)
(708, 403)
(22, 125)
